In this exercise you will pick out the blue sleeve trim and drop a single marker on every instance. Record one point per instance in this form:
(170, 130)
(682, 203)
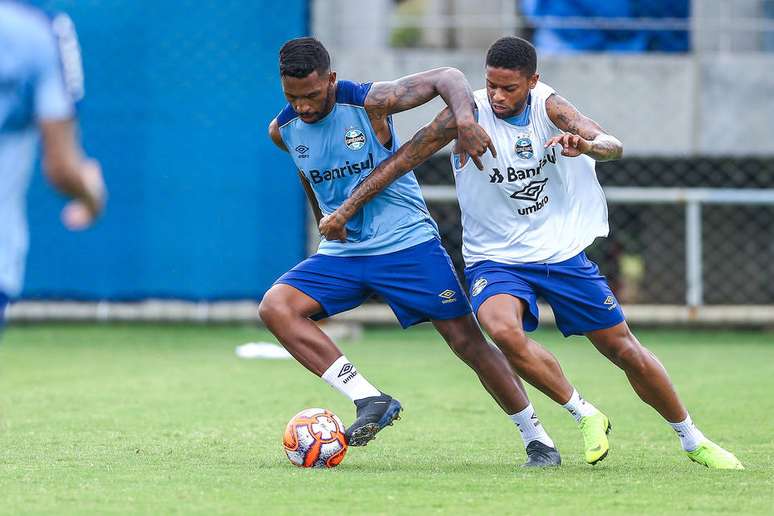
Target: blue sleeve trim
(286, 115)
(354, 93)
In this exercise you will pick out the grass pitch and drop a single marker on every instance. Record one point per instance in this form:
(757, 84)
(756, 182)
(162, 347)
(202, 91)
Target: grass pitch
(166, 420)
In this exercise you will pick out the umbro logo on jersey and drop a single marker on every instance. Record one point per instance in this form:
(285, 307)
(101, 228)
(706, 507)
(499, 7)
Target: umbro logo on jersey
(531, 192)
(354, 139)
(448, 296)
(478, 286)
(302, 151)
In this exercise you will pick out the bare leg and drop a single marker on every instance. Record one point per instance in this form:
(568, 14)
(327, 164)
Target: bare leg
(501, 316)
(647, 376)
(286, 310)
(465, 339)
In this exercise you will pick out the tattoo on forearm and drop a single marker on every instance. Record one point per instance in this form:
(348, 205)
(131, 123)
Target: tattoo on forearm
(426, 142)
(396, 96)
(386, 98)
(567, 118)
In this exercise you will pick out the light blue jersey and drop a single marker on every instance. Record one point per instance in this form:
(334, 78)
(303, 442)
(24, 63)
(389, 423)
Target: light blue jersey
(32, 88)
(336, 154)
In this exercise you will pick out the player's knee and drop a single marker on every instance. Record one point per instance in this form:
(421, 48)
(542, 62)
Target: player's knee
(630, 355)
(507, 334)
(464, 339)
(511, 340)
(461, 348)
(273, 310)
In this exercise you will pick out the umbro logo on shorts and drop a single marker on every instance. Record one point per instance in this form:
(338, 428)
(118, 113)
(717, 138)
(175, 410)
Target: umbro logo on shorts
(448, 296)
(610, 302)
(478, 286)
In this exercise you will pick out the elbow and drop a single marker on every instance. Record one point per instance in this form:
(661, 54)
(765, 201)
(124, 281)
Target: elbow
(452, 73)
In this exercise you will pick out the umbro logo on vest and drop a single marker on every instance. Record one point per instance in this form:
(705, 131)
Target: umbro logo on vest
(531, 192)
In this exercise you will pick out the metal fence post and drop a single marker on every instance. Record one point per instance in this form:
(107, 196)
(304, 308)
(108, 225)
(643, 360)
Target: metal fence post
(694, 294)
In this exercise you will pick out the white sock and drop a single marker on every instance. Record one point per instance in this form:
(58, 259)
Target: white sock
(530, 427)
(578, 407)
(690, 436)
(343, 377)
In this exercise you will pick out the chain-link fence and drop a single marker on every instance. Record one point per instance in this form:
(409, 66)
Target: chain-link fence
(644, 258)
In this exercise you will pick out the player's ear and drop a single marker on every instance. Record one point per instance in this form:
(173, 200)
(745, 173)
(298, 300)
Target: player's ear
(534, 80)
(331, 77)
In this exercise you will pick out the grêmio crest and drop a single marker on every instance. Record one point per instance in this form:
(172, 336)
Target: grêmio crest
(523, 147)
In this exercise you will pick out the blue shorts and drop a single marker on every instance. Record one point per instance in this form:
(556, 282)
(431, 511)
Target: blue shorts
(578, 294)
(419, 283)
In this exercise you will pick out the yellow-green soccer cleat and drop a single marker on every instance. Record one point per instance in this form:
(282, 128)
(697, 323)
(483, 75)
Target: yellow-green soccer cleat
(714, 457)
(595, 429)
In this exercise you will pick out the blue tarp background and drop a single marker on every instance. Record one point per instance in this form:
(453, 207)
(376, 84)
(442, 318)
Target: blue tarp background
(178, 98)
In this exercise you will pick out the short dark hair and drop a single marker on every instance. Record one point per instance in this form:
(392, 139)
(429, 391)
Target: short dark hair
(513, 53)
(301, 56)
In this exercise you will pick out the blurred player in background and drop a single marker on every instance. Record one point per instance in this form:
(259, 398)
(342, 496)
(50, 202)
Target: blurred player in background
(40, 80)
(526, 222)
(337, 132)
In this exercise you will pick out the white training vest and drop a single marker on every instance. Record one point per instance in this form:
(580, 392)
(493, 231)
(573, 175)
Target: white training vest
(530, 204)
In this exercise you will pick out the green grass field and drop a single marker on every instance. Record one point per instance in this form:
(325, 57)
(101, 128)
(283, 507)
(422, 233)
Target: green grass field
(166, 420)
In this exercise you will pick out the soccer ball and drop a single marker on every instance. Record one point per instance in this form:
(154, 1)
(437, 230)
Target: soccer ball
(314, 438)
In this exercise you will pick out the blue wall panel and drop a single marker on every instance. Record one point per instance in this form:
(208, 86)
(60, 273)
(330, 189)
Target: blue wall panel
(202, 206)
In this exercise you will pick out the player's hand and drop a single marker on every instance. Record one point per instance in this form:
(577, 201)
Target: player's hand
(572, 144)
(474, 141)
(79, 214)
(334, 227)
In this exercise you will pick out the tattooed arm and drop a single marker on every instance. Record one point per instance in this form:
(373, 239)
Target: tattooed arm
(386, 98)
(582, 135)
(426, 142)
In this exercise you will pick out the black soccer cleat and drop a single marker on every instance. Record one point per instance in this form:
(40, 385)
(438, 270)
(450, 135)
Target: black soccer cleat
(540, 455)
(373, 414)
